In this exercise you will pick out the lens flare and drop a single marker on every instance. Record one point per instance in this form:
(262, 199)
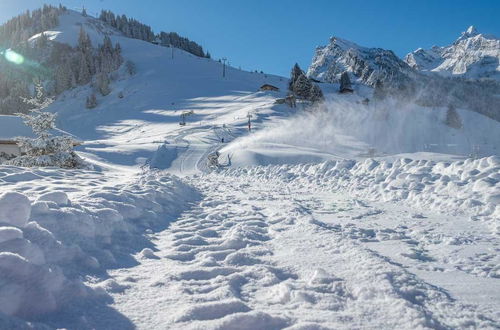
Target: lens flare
(14, 57)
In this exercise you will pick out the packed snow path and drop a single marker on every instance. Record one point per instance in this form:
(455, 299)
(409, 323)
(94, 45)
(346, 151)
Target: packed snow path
(265, 255)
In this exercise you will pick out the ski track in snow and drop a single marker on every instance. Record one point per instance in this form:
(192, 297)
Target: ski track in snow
(259, 255)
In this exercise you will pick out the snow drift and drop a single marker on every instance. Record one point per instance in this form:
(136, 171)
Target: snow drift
(49, 241)
(469, 187)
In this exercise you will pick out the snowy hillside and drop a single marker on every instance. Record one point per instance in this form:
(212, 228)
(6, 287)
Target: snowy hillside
(69, 26)
(253, 214)
(473, 55)
(125, 131)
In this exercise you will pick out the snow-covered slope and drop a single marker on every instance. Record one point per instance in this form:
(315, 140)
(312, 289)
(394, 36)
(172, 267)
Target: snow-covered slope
(366, 65)
(473, 55)
(389, 242)
(125, 131)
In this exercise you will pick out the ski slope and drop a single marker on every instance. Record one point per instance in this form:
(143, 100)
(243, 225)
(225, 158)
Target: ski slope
(333, 218)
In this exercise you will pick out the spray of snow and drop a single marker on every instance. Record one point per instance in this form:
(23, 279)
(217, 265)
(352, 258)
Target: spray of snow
(347, 128)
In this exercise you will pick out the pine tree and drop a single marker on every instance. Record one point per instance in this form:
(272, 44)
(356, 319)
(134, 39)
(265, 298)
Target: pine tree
(87, 68)
(131, 69)
(294, 75)
(63, 77)
(453, 118)
(345, 83)
(103, 84)
(302, 87)
(84, 73)
(91, 102)
(44, 149)
(117, 55)
(42, 41)
(316, 94)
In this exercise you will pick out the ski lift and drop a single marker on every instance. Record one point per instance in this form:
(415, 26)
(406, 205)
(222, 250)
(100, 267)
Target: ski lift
(185, 114)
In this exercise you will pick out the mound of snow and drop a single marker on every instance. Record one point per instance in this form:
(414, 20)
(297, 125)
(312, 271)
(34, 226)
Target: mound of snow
(29, 289)
(468, 187)
(148, 254)
(9, 233)
(42, 262)
(15, 209)
(58, 197)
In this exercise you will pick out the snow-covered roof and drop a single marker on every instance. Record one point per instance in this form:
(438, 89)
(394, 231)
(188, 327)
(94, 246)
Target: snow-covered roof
(13, 126)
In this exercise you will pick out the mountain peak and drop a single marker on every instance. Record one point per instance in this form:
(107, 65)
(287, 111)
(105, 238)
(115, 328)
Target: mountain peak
(473, 55)
(367, 65)
(470, 32)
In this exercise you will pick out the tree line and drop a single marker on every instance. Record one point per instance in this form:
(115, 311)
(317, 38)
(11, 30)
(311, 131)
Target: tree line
(23, 26)
(137, 30)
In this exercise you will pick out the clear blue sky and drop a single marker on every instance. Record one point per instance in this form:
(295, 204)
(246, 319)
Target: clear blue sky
(271, 35)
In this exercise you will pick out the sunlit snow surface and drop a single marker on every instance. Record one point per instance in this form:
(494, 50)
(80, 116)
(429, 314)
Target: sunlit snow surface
(352, 217)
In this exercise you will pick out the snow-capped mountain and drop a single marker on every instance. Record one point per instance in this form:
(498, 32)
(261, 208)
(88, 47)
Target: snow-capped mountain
(366, 65)
(473, 55)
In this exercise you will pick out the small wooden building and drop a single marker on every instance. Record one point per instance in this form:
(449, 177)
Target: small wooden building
(268, 87)
(12, 127)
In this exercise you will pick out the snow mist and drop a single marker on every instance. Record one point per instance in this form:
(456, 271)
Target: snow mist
(346, 127)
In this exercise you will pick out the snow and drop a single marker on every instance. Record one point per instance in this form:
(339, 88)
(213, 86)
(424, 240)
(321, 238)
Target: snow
(10, 233)
(148, 253)
(343, 128)
(343, 216)
(90, 234)
(13, 126)
(287, 244)
(58, 197)
(70, 24)
(469, 186)
(15, 209)
(471, 31)
(473, 55)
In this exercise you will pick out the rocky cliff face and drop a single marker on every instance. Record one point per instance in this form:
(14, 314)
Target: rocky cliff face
(472, 56)
(364, 65)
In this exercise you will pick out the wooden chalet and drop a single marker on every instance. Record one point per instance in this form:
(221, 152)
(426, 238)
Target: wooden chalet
(268, 87)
